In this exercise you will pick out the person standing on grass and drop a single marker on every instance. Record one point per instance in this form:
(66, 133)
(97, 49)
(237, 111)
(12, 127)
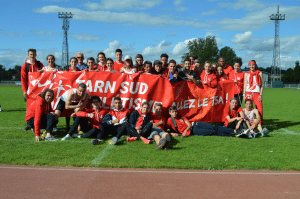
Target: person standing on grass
(73, 65)
(101, 62)
(179, 125)
(237, 77)
(252, 119)
(90, 120)
(118, 64)
(139, 124)
(226, 67)
(40, 115)
(186, 73)
(157, 68)
(30, 65)
(139, 63)
(51, 65)
(197, 66)
(208, 79)
(116, 120)
(164, 60)
(253, 87)
(147, 67)
(220, 74)
(80, 65)
(75, 99)
(158, 133)
(171, 73)
(109, 64)
(91, 65)
(234, 118)
(128, 66)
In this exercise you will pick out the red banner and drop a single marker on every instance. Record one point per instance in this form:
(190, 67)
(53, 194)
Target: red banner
(194, 102)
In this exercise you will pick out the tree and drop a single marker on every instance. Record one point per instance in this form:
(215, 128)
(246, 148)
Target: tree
(229, 55)
(297, 72)
(206, 49)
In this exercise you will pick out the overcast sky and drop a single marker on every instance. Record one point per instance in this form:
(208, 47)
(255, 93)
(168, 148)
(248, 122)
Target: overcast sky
(148, 27)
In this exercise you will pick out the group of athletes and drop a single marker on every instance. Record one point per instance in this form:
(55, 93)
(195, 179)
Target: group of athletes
(97, 122)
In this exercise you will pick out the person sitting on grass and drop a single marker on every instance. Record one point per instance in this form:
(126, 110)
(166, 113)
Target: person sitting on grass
(139, 124)
(76, 99)
(109, 64)
(158, 133)
(40, 115)
(90, 120)
(116, 120)
(252, 119)
(234, 118)
(178, 125)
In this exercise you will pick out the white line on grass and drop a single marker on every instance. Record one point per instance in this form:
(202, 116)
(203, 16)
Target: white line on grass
(102, 154)
(154, 171)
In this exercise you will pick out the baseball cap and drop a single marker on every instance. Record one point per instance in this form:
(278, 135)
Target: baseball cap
(127, 57)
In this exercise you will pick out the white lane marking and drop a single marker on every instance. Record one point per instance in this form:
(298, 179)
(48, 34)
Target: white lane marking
(102, 154)
(152, 171)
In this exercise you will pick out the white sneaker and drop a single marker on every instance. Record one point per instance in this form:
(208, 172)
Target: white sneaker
(66, 137)
(75, 135)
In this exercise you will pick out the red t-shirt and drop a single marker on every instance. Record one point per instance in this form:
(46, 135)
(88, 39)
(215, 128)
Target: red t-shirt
(231, 113)
(181, 125)
(157, 119)
(227, 69)
(240, 81)
(117, 66)
(102, 68)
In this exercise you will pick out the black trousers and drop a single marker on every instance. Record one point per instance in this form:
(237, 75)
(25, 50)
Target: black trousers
(116, 130)
(47, 122)
(243, 125)
(145, 132)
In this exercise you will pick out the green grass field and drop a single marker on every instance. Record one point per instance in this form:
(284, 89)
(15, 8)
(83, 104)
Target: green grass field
(279, 151)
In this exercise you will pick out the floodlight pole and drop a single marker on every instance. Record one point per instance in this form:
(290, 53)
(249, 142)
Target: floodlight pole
(65, 26)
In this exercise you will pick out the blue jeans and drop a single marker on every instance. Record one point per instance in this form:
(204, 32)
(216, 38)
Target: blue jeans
(204, 129)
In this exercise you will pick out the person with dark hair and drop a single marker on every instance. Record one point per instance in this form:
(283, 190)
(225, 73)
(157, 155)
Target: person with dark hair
(164, 60)
(128, 66)
(252, 119)
(116, 120)
(226, 67)
(208, 79)
(90, 121)
(73, 65)
(237, 76)
(40, 115)
(192, 58)
(197, 66)
(139, 124)
(91, 64)
(118, 64)
(171, 73)
(186, 73)
(220, 74)
(101, 61)
(147, 67)
(80, 58)
(51, 64)
(253, 87)
(75, 99)
(158, 133)
(157, 66)
(214, 67)
(109, 64)
(139, 63)
(178, 125)
(30, 65)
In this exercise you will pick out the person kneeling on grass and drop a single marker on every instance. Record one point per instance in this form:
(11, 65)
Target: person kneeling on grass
(139, 124)
(158, 133)
(252, 119)
(116, 120)
(40, 115)
(94, 116)
(234, 118)
(178, 124)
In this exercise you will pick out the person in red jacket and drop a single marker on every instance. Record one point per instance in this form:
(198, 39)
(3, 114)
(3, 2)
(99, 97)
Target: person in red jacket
(226, 67)
(30, 65)
(90, 120)
(207, 78)
(40, 115)
(183, 126)
(220, 74)
(237, 77)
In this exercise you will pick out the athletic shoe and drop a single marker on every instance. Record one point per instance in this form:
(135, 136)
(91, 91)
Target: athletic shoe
(130, 139)
(97, 141)
(75, 135)
(249, 134)
(145, 141)
(161, 143)
(50, 139)
(26, 128)
(114, 140)
(1, 108)
(55, 129)
(66, 137)
(254, 134)
(168, 138)
(264, 132)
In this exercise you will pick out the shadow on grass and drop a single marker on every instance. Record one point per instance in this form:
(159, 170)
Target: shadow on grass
(16, 110)
(274, 124)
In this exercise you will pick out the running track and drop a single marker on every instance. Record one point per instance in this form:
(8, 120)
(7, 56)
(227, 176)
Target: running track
(71, 182)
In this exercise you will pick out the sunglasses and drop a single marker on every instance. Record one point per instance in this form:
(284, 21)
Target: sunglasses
(79, 57)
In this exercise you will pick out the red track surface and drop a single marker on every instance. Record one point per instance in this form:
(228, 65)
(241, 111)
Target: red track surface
(70, 182)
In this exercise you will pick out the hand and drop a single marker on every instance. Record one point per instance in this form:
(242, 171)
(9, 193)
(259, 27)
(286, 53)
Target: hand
(184, 134)
(204, 82)
(115, 121)
(151, 121)
(237, 127)
(140, 72)
(138, 131)
(25, 95)
(162, 122)
(37, 138)
(174, 134)
(92, 115)
(234, 81)
(260, 98)
(79, 104)
(175, 76)
(189, 77)
(159, 75)
(73, 115)
(138, 127)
